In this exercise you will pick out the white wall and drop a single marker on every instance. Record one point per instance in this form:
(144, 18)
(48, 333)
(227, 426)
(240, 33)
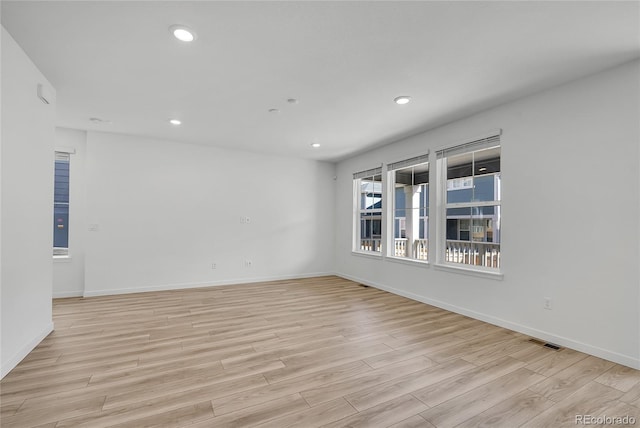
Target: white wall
(571, 215)
(166, 211)
(68, 272)
(27, 207)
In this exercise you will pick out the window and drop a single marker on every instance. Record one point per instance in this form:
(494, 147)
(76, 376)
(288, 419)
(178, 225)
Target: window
(470, 200)
(61, 205)
(409, 191)
(367, 187)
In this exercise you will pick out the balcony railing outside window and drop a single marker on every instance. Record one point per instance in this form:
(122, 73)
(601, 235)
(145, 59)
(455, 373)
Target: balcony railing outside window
(420, 248)
(371, 244)
(485, 254)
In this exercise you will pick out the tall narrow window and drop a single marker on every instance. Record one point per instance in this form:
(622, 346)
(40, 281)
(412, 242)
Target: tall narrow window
(409, 181)
(367, 187)
(470, 199)
(61, 205)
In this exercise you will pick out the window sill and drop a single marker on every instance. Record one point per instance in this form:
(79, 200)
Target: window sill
(62, 259)
(498, 276)
(372, 255)
(407, 261)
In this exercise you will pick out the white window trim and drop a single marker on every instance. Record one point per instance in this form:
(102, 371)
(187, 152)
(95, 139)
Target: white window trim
(400, 163)
(442, 206)
(357, 209)
(63, 258)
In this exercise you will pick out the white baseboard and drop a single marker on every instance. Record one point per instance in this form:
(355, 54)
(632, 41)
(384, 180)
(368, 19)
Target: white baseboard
(625, 360)
(165, 287)
(19, 356)
(63, 294)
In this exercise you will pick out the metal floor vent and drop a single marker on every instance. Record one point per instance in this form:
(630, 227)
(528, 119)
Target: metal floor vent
(545, 344)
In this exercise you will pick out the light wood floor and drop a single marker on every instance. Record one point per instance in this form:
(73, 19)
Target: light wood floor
(303, 353)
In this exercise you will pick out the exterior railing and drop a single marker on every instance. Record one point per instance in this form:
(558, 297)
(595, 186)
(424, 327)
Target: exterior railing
(371, 244)
(420, 248)
(485, 254)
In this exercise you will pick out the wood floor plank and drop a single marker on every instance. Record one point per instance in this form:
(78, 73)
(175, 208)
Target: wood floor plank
(632, 396)
(304, 352)
(512, 412)
(591, 399)
(620, 377)
(260, 414)
(383, 415)
(317, 416)
(416, 421)
(469, 404)
(556, 361)
(331, 391)
(259, 395)
(389, 390)
(174, 418)
(444, 390)
(567, 381)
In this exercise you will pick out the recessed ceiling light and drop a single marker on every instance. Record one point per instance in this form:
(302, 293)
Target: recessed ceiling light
(315, 145)
(292, 101)
(182, 33)
(99, 120)
(175, 122)
(403, 99)
(274, 110)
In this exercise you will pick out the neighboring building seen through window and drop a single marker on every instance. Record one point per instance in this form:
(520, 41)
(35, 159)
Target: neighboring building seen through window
(473, 198)
(61, 205)
(409, 180)
(368, 222)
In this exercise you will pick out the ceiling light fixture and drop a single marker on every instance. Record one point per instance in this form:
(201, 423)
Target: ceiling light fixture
(315, 145)
(182, 33)
(274, 110)
(403, 99)
(99, 120)
(292, 101)
(175, 122)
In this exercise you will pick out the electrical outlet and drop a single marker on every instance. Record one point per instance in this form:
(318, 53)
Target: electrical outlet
(214, 266)
(248, 263)
(547, 303)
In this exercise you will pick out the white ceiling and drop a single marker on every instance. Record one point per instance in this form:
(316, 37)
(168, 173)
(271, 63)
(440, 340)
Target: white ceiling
(343, 61)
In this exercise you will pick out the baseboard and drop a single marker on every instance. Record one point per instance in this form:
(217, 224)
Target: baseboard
(625, 360)
(19, 356)
(165, 287)
(63, 294)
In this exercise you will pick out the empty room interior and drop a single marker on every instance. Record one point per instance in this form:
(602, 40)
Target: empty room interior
(290, 213)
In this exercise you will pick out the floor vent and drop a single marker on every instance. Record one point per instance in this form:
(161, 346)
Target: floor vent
(545, 344)
(365, 286)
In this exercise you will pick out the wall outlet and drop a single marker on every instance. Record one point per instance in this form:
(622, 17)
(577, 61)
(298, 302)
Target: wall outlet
(214, 265)
(248, 263)
(244, 219)
(547, 303)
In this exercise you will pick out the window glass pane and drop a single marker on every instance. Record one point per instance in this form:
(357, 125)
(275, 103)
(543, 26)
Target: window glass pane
(370, 232)
(371, 190)
(410, 211)
(474, 176)
(473, 239)
(61, 206)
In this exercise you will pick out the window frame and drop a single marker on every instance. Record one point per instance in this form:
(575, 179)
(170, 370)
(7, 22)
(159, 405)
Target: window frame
(392, 168)
(63, 253)
(490, 140)
(358, 210)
